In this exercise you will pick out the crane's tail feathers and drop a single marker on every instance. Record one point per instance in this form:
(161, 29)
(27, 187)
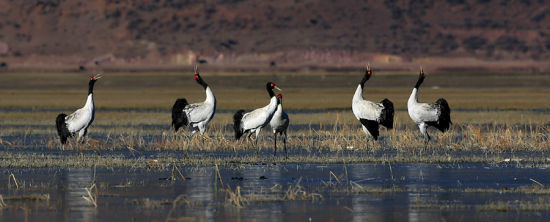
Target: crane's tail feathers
(444, 120)
(179, 118)
(237, 124)
(387, 114)
(372, 127)
(62, 129)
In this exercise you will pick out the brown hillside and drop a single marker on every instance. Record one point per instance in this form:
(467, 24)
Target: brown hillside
(282, 32)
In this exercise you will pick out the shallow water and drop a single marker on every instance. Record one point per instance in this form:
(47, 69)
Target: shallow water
(126, 194)
(333, 192)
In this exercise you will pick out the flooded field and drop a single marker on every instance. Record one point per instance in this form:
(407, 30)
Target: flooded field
(278, 192)
(491, 165)
(149, 173)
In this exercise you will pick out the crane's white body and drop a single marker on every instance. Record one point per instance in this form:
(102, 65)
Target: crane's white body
(80, 120)
(364, 109)
(421, 113)
(196, 116)
(279, 122)
(257, 119)
(200, 114)
(437, 114)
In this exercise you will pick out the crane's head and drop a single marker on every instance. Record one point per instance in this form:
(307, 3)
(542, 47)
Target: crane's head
(269, 86)
(95, 77)
(279, 98)
(369, 71)
(197, 77)
(366, 77)
(421, 77)
(92, 82)
(272, 86)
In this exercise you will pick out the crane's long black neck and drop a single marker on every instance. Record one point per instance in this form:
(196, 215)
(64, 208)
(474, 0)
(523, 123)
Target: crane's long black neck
(365, 78)
(202, 82)
(420, 80)
(91, 86)
(269, 89)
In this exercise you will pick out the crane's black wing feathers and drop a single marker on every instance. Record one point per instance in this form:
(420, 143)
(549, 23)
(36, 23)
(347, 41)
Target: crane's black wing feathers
(372, 127)
(179, 118)
(237, 124)
(444, 119)
(62, 129)
(386, 118)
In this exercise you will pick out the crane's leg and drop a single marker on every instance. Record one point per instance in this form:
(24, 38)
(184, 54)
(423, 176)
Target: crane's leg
(248, 139)
(424, 130)
(188, 140)
(426, 141)
(202, 129)
(275, 144)
(81, 135)
(70, 139)
(284, 144)
(192, 136)
(202, 140)
(256, 140)
(367, 137)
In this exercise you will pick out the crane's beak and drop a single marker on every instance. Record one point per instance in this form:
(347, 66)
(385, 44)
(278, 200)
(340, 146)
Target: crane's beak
(96, 77)
(277, 88)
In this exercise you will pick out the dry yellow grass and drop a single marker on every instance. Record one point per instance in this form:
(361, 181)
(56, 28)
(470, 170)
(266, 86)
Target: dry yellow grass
(146, 99)
(338, 131)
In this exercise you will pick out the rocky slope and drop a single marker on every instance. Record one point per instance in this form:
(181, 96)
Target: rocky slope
(272, 33)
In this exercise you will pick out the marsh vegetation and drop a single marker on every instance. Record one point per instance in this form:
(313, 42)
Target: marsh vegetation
(143, 164)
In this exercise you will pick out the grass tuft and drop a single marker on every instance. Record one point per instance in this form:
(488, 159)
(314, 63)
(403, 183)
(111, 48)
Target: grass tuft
(91, 195)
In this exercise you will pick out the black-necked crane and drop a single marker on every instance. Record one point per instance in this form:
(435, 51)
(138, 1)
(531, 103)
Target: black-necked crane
(371, 114)
(436, 114)
(80, 120)
(279, 124)
(196, 115)
(255, 120)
